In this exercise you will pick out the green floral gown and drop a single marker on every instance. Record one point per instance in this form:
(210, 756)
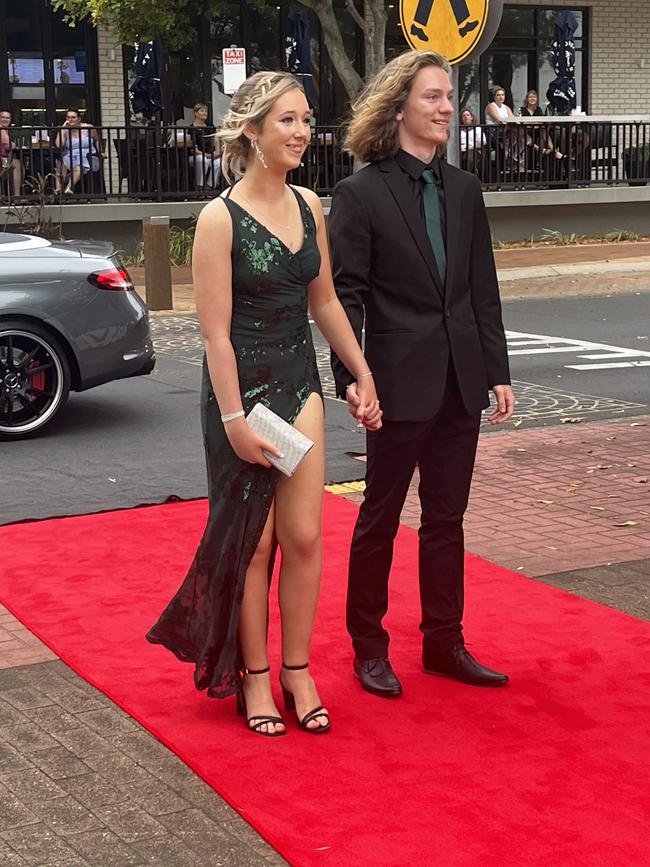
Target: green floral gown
(277, 365)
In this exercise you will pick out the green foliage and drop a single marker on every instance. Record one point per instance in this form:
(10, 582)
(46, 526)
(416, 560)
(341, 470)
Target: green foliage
(31, 219)
(180, 247)
(556, 237)
(136, 20)
(619, 235)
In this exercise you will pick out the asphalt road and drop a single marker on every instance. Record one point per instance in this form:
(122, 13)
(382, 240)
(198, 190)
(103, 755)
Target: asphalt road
(585, 358)
(138, 441)
(597, 346)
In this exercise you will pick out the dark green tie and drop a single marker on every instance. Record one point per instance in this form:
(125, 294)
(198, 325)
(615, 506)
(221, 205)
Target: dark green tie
(434, 220)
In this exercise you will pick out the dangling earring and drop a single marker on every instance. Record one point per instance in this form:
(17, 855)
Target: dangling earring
(258, 151)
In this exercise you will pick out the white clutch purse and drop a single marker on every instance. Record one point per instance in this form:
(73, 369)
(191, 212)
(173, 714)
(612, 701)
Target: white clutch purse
(290, 442)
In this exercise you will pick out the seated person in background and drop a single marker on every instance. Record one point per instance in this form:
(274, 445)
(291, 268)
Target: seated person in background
(497, 111)
(541, 142)
(10, 165)
(472, 141)
(205, 158)
(80, 149)
(516, 141)
(531, 108)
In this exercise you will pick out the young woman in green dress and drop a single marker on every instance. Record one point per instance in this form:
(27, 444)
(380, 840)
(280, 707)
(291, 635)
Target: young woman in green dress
(260, 267)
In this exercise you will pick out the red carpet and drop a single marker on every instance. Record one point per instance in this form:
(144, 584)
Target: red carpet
(551, 770)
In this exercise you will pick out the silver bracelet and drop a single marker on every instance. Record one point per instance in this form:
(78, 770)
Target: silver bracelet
(231, 416)
(361, 376)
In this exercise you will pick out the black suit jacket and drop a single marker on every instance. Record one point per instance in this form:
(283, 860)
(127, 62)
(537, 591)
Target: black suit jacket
(386, 278)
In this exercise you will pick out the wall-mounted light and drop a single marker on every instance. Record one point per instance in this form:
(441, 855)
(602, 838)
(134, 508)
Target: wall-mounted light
(111, 54)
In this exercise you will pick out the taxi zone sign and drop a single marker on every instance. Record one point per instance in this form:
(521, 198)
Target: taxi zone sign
(234, 68)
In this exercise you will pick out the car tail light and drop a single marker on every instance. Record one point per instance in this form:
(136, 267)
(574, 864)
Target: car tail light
(113, 278)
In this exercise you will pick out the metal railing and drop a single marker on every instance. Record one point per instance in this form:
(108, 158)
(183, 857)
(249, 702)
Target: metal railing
(547, 153)
(160, 163)
(155, 163)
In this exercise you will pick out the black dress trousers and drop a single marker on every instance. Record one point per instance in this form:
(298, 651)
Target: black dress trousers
(444, 449)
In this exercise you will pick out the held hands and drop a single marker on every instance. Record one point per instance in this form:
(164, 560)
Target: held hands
(505, 404)
(363, 403)
(247, 445)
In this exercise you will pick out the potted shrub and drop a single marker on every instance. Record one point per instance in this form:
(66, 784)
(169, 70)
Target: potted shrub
(636, 163)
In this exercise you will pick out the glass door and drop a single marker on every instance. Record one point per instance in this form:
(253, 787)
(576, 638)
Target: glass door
(515, 71)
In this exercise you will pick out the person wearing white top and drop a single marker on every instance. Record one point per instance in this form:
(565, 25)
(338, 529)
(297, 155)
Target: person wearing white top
(471, 134)
(80, 149)
(515, 144)
(472, 143)
(497, 111)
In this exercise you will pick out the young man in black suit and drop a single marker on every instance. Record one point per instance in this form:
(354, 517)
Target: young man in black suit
(413, 261)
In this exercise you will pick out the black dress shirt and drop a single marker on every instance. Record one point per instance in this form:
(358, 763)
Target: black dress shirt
(413, 168)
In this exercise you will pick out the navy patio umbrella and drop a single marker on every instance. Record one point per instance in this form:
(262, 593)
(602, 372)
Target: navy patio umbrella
(146, 92)
(561, 92)
(298, 53)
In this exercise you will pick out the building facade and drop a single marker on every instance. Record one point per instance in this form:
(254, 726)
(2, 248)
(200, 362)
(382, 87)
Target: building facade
(51, 67)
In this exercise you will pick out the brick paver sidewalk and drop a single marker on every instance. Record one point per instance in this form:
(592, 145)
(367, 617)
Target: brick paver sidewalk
(560, 499)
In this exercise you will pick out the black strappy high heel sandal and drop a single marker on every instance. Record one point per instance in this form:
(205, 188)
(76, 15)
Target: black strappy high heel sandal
(258, 721)
(290, 704)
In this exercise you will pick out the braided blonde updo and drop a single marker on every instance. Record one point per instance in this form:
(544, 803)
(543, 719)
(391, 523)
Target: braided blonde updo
(252, 101)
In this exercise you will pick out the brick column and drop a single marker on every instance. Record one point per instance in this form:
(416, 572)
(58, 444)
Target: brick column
(111, 95)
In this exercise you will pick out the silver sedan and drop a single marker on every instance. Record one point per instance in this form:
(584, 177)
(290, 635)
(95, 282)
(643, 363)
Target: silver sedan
(70, 319)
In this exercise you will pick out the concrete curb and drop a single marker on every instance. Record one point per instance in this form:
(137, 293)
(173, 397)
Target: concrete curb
(539, 281)
(639, 265)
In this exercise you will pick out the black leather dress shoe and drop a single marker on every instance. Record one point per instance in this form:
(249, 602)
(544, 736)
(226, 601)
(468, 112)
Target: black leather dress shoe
(459, 663)
(377, 676)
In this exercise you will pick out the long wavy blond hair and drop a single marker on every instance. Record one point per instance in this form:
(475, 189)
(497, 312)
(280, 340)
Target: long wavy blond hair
(250, 104)
(372, 130)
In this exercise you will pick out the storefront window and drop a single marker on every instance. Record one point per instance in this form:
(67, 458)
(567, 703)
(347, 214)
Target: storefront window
(546, 18)
(184, 84)
(469, 88)
(47, 66)
(510, 70)
(517, 23)
(519, 59)
(70, 64)
(25, 62)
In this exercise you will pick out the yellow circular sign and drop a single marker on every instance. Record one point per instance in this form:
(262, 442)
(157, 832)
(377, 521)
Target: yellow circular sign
(452, 27)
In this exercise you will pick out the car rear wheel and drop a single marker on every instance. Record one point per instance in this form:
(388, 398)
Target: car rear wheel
(34, 379)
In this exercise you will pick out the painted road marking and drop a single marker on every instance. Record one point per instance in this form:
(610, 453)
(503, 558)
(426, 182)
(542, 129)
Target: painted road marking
(609, 366)
(520, 343)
